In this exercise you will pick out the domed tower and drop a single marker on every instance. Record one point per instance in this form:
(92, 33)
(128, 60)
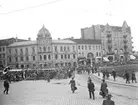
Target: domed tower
(44, 36)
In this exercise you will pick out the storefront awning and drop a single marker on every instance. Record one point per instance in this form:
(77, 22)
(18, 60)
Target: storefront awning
(106, 59)
(132, 57)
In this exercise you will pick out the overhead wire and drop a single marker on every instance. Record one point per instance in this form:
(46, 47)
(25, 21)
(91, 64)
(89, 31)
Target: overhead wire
(30, 7)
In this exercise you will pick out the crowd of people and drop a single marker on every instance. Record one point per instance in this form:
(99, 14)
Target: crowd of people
(126, 75)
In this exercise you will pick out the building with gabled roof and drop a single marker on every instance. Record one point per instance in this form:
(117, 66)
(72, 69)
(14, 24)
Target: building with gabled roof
(116, 41)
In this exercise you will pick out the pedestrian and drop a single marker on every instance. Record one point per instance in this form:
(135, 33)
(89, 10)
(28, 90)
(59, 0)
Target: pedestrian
(73, 85)
(103, 74)
(104, 89)
(133, 77)
(91, 89)
(89, 78)
(127, 77)
(107, 74)
(114, 74)
(6, 86)
(108, 101)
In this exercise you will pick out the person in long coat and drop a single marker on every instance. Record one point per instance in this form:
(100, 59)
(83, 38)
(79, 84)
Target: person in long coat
(73, 85)
(6, 86)
(104, 89)
(126, 75)
(108, 101)
(133, 77)
(91, 89)
(114, 74)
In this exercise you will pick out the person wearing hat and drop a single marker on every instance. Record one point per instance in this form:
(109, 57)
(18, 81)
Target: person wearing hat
(73, 85)
(108, 101)
(104, 89)
(91, 89)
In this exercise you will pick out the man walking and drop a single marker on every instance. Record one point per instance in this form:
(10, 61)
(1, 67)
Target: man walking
(104, 89)
(114, 74)
(127, 77)
(133, 77)
(108, 101)
(6, 86)
(91, 89)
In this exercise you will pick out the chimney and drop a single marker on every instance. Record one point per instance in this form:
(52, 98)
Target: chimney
(72, 37)
(29, 38)
(58, 38)
(16, 39)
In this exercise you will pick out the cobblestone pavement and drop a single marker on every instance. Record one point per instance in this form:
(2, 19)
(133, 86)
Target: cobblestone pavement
(53, 93)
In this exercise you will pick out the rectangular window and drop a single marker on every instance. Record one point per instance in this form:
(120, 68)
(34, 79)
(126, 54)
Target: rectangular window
(93, 47)
(68, 56)
(55, 48)
(10, 51)
(33, 49)
(79, 47)
(82, 47)
(68, 48)
(16, 59)
(27, 58)
(56, 56)
(10, 60)
(64, 48)
(74, 56)
(21, 50)
(0, 49)
(3, 48)
(65, 56)
(89, 47)
(3, 55)
(73, 48)
(33, 58)
(61, 56)
(21, 58)
(85, 47)
(16, 51)
(61, 48)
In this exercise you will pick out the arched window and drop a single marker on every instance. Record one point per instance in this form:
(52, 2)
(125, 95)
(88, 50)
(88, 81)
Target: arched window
(44, 57)
(96, 53)
(49, 48)
(44, 49)
(40, 49)
(49, 57)
(40, 57)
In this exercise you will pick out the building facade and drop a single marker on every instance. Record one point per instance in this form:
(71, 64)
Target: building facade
(42, 53)
(116, 41)
(3, 49)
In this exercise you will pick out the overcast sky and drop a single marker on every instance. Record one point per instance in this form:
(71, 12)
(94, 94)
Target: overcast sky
(64, 18)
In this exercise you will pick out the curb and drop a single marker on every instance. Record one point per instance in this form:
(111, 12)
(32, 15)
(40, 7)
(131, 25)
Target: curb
(117, 83)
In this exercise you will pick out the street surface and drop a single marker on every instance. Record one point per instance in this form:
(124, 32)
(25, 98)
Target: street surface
(127, 92)
(57, 93)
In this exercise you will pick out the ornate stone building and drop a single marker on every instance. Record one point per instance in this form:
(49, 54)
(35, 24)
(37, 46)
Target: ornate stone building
(42, 53)
(3, 49)
(116, 41)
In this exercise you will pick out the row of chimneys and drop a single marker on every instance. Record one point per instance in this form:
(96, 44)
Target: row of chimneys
(67, 38)
(17, 39)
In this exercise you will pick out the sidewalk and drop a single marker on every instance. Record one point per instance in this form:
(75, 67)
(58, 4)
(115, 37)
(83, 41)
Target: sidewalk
(119, 80)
